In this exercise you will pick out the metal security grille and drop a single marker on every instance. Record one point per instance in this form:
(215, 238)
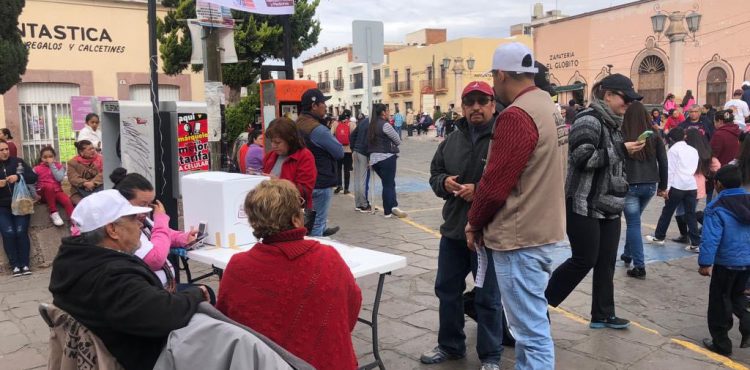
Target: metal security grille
(143, 93)
(42, 108)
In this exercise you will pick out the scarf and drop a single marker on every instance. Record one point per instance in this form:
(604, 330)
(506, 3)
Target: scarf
(610, 118)
(97, 161)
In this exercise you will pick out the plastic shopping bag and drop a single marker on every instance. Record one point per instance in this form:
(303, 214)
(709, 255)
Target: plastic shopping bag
(23, 201)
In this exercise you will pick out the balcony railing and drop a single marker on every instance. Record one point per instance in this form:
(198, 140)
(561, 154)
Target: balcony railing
(338, 84)
(324, 86)
(399, 87)
(437, 86)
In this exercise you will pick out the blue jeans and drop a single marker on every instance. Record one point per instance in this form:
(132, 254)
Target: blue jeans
(398, 130)
(386, 170)
(321, 204)
(455, 261)
(635, 202)
(15, 233)
(522, 276)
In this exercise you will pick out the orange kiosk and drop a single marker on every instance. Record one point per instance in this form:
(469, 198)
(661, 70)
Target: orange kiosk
(280, 98)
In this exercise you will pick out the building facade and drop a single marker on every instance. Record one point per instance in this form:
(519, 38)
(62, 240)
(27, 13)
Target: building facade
(82, 48)
(581, 50)
(417, 79)
(343, 80)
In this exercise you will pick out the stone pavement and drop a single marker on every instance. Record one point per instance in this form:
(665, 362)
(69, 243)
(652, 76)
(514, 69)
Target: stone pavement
(668, 308)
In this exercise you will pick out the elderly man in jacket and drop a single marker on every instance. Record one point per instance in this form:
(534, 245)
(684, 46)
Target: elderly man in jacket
(455, 172)
(327, 152)
(97, 280)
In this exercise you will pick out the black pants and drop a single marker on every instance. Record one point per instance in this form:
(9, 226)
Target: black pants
(594, 245)
(344, 165)
(726, 296)
(688, 200)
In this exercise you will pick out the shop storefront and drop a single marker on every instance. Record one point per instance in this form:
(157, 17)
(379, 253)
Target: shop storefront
(77, 50)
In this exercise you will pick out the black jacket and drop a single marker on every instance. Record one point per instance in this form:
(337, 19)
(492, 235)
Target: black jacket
(358, 137)
(457, 155)
(118, 298)
(649, 171)
(8, 168)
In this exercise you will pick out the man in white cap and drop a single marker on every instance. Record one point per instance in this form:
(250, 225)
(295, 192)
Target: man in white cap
(518, 211)
(97, 280)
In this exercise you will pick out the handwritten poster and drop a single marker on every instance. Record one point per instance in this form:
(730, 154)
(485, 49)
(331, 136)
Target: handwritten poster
(66, 138)
(192, 142)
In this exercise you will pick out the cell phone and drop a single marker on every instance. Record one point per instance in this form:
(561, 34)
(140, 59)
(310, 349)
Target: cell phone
(197, 243)
(202, 229)
(645, 135)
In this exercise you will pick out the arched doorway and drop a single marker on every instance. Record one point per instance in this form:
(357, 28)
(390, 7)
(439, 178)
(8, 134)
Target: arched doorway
(716, 87)
(651, 79)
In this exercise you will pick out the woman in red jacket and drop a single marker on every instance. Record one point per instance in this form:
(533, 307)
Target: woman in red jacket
(299, 293)
(289, 159)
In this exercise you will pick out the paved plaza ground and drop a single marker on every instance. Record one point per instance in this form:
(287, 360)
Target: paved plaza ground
(668, 309)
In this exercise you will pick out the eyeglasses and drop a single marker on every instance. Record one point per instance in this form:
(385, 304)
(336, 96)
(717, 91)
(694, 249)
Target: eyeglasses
(470, 101)
(301, 201)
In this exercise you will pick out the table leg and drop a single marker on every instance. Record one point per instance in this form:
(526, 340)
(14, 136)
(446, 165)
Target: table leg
(374, 325)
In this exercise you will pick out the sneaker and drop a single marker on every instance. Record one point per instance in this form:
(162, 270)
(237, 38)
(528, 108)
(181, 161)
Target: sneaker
(398, 213)
(637, 272)
(626, 259)
(331, 230)
(56, 219)
(16, 272)
(654, 240)
(367, 209)
(490, 366)
(683, 239)
(390, 215)
(25, 270)
(346, 191)
(613, 322)
(693, 248)
(337, 190)
(437, 355)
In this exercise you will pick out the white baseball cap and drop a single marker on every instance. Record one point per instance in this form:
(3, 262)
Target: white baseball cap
(746, 83)
(103, 208)
(513, 57)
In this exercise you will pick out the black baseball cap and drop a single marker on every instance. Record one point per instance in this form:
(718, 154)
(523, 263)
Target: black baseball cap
(313, 96)
(618, 82)
(541, 79)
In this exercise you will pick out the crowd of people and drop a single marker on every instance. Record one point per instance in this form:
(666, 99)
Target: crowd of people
(510, 161)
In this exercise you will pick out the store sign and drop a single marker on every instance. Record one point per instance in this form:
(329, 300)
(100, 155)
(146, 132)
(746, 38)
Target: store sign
(563, 60)
(192, 142)
(40, 36)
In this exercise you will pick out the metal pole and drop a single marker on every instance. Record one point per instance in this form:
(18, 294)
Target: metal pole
(287, 22)
(211, 76)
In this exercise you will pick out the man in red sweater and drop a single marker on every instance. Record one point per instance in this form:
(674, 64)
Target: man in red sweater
(518, 211)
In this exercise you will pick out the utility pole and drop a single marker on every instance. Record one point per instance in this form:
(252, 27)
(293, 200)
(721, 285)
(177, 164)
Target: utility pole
(287, 24)
(214, 93)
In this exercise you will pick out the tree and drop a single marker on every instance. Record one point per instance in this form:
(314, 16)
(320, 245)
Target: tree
(257, 38)
(13, 53)
(240, 116)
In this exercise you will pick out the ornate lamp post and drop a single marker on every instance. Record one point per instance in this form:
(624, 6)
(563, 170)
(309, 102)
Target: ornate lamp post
(458, 72)
(677, 34)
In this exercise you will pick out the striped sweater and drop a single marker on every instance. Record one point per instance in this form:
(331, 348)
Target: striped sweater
(596, 183)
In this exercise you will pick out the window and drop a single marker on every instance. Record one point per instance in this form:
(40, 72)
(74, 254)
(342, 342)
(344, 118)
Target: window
(326, 80)
(358, 81)
(339, 73)
(429, 73)
(395, 78)
(320, 76)
(408, 79)
(46, 119)
(376, 78)
(716, 87)
(651, 73)
(408, 105)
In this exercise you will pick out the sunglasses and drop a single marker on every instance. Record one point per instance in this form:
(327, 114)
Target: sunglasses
(624, 97)
(470, 101)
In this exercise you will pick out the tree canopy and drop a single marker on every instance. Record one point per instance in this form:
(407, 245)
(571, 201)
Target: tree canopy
(13, 53)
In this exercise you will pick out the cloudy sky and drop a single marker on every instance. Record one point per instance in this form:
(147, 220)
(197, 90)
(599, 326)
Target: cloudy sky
(462, 18)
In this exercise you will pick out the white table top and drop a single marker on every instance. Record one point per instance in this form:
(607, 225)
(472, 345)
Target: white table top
(361, 261)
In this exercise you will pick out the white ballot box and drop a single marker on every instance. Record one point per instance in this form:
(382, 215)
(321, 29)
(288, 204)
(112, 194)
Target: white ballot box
(218, 199)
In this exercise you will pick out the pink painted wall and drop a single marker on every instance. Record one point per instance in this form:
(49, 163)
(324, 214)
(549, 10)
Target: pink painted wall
(580, 48)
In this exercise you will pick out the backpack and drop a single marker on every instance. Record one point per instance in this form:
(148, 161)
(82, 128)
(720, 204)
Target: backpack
(342, 133)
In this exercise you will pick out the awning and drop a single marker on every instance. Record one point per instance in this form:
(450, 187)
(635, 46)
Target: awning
(567, 88)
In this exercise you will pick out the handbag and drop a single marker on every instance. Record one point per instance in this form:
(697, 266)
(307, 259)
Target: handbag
(22, 203)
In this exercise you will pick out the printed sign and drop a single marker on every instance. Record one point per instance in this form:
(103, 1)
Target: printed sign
(212, 15)
(192, 142)
(272, 7)
(80, 106)
(66, 138)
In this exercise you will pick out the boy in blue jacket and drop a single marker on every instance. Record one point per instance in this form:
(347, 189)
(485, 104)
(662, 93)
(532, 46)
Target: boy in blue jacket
(725, 256)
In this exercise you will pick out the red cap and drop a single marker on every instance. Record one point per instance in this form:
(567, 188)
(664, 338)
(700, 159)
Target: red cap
(480, 86)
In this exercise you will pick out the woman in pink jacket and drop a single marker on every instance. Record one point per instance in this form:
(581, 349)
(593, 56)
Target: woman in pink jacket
(156, 236)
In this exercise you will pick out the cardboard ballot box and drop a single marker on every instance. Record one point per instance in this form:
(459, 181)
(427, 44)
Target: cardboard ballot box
(218, 199)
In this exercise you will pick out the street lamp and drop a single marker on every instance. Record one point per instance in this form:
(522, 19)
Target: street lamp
(677, 33)
(446, 63)
(470, 63)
